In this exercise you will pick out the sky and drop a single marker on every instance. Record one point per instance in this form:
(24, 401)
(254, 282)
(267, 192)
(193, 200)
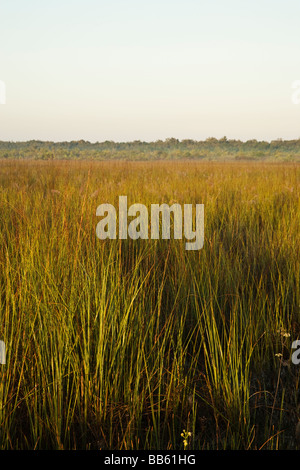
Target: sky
(128, 70)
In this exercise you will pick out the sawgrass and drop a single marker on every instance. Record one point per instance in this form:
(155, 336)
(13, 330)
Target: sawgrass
(123, 344)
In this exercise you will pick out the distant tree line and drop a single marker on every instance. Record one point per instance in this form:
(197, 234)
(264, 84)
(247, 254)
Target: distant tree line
(168, 149)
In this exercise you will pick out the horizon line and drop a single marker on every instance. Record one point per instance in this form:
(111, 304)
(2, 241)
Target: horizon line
(211, 138)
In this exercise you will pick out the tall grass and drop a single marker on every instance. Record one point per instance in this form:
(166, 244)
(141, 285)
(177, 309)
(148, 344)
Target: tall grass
(123, 344)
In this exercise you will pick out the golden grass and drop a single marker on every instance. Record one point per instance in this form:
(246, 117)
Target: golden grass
(123, 344)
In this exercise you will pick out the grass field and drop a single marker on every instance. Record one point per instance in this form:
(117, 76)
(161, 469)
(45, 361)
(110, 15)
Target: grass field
(123, 344)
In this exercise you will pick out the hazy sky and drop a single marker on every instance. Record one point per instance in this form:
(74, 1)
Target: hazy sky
(126, 70)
